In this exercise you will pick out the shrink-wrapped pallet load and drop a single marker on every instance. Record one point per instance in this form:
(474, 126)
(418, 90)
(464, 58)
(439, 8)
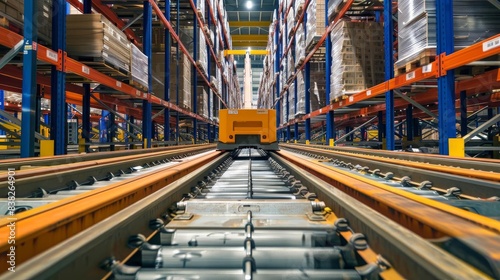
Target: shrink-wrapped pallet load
(358, 62)
(473, 21)
(315, 22)
(94, 36)
(12, 13)
(138, 67)
(183, 81)
(202, 101)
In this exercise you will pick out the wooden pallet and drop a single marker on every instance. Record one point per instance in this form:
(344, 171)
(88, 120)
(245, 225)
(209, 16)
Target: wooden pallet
(138, 85)
(424, 58)
(340, 98)
(313, 43)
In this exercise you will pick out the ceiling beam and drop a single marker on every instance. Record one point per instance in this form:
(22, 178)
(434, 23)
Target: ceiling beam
(249, 23)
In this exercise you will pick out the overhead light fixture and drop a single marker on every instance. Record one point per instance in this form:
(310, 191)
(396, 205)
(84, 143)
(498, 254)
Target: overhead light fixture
(249, 4)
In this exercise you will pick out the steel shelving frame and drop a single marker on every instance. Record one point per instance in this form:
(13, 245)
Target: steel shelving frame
(442, 68)
(62, 64)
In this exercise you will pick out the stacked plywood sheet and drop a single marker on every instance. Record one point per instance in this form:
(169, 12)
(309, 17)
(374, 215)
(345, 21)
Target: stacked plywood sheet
(94, 36)
(358, 62)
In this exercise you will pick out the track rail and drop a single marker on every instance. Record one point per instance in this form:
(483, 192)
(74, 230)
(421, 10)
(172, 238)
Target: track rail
(427, 218)
(44, 227)
(483, 164)
(51, 178)
(18, 163)
(474, 183)
(391, 250)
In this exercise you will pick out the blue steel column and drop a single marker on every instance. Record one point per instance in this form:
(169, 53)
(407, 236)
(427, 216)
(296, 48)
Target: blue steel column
(389, 74)
(296, 125)
(276, 71)
(409, 123)
(380, 125)
(328, 63)
(446, 85)
(194, 94)
(209, 92)
(146, 45)
(58, 100)
(177, 31)
(166, 94)
(463, 113)
(307, 85)
(29, 81)
(86, 123)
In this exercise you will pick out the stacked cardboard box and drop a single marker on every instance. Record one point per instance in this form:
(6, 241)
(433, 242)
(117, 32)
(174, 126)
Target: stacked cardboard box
(13, 10)
(202, 101)
(333, 8)
(183, 81)
(315, 22)
(291, 101)
(301, 94)
(202, 52)
(92, 35)
(138, 67)
(358, 62)
(300, 45)
(473, 21)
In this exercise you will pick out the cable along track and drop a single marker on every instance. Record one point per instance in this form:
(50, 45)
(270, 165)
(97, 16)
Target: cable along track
(251, 218)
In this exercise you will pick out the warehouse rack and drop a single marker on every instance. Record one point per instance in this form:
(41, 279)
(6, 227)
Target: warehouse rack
(63, 92)
(440, 69)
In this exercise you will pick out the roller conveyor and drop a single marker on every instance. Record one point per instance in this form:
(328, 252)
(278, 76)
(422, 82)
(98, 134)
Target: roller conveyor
(233, 227)
(243, 230)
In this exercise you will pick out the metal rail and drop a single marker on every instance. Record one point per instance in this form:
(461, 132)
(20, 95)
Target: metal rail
(430, 219)
(403, 253)
(433, 181)
(471, 163)
(29, 182)
(17, 163)
(41, 228)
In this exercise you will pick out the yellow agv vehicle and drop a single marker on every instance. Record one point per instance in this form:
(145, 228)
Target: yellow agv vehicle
(247, 128)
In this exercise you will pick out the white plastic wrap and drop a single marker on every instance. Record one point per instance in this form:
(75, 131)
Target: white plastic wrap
(332, 7)
(299, 6)
(291, 101)
(290, 21)
(358, 62)
(200, 5)
(315, 22)
(138, 67)
(202, 52)
(300, 45)
(473, 21)
(301, 94)
(202, 101)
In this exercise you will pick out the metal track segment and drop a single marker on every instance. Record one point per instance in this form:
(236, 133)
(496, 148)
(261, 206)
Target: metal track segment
(52, 224)
(409, 210)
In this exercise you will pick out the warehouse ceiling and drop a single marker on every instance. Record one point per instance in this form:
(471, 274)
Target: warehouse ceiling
(249, 22)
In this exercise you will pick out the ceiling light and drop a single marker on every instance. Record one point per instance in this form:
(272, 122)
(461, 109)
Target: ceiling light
(249, 4)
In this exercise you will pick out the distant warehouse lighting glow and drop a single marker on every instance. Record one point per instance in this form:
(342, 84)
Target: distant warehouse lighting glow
(249, 4)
